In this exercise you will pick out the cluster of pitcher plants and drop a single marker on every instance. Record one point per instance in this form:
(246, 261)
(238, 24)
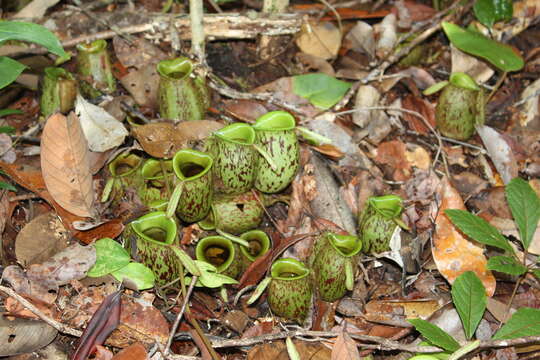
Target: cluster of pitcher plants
(223, 186)
(330, 269)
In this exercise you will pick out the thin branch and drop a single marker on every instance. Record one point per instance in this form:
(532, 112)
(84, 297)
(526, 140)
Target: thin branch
(28, 305)
(180, 314)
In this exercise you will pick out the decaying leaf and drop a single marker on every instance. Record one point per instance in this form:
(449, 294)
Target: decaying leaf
(278, 351)
(500, 152)
(21, 336)
(452, 253)
(387, 36)
(163, 140)
(101, 129)
(65, 165)
(143, 84)
(345, 348)
(32, 179)
(320, 39)
(40, 239)
(71, 264)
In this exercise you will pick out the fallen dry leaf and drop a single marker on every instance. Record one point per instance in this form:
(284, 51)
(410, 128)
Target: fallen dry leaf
(245, 110)
(163, 140)
(345, 348)
(422, 106)
(319, 39)
(138, 52)
(143, 84)
(32, 179)
(65, 164)
(500, 152)
(392, 153)
(134, 351)
(102, 131)
(453, 254)
(71, 264)
(41, 238)
(396, 312)
(278, 351)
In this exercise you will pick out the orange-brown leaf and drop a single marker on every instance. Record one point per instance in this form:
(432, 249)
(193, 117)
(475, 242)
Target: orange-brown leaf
(345, 348)
(453, 254)
(65, 164)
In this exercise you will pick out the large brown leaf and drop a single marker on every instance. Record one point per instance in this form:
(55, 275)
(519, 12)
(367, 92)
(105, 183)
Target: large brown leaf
(345, 348)
(65, 164)
(452, 252)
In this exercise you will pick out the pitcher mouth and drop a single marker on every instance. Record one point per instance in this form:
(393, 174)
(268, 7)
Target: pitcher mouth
(125, 164)
(190, 164)
(93, 47)
(175, 69)
(275, 121)
(216, 250)
(259, 241)
(58, 73)
(288, 269)
(155, 223)
(238, 133)
(345, 245)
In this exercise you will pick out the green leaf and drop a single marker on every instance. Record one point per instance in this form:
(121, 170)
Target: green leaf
(9, 71)
(469, 296)
(24, 31)
(137, 273)
(536, 273)
(435, 88)
(464, 81)
(321, 90)
(187, 261)
(435, 335)
(489, 12)
(524, 322)
(6, 186)
(478, 229)
(259, 290)
(209, 278)
(498, 54)
(525, 207)
(110, 256)
(7, 129)
(6, 112)
(312, 137)
(506, 264)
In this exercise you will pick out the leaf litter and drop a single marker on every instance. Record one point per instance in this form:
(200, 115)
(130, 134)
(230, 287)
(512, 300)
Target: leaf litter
(383, 146)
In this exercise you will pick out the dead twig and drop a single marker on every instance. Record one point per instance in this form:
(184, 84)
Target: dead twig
(180, 315)
(28, 305)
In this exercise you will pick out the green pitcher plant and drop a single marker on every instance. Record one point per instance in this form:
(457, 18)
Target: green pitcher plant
(155, 234)
(221, 252)
(157, 175)
(290, 290)
(58, 91)
(258, 244)
(235, 158)
(235, 214)
(192, 196)
(378, 221)
(182, 95)
(332, 262)
(94, 65)
(275, 134)
(124, 172)
(460, 107)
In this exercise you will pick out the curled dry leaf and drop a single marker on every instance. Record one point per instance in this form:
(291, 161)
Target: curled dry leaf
(143, 84)
(101, 129)
(453, 254)
(65, 165)
(163, 140)
(425, 108)
(387, 36)
(500, 152)
(366, 97)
